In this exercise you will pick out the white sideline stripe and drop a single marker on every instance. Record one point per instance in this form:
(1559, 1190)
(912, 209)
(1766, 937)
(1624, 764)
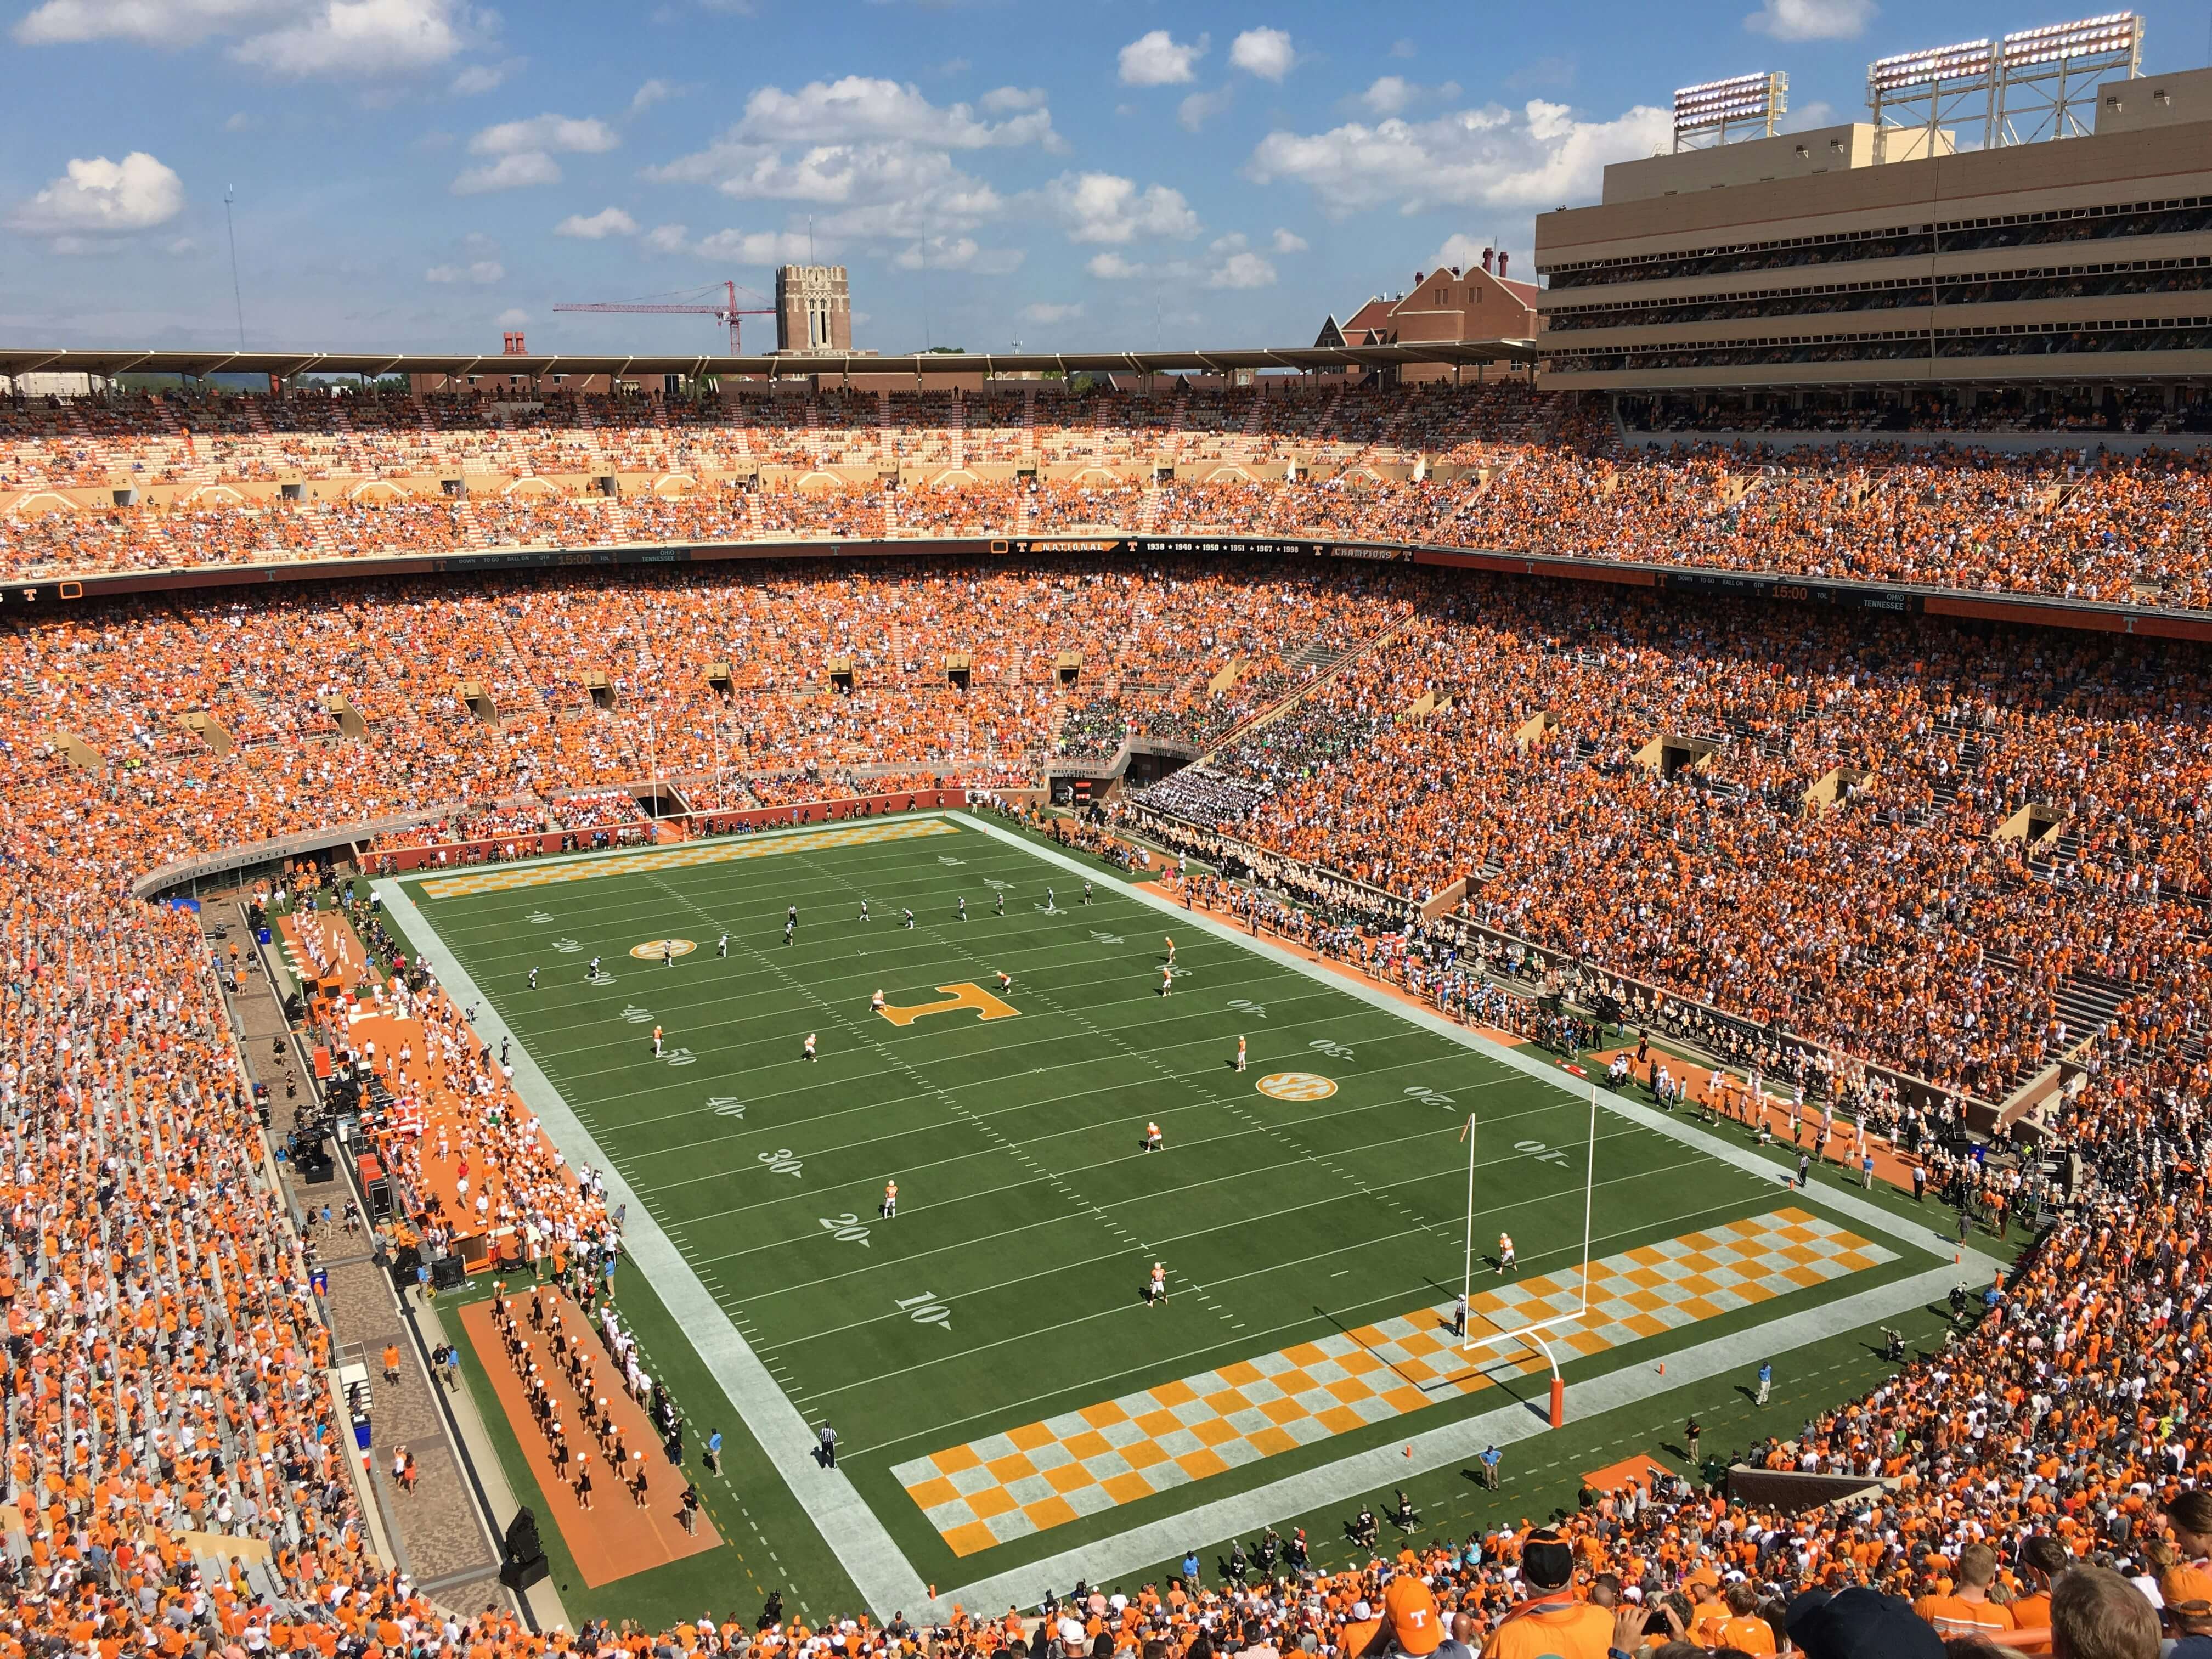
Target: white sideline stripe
(859, 1539)
(862, 1545)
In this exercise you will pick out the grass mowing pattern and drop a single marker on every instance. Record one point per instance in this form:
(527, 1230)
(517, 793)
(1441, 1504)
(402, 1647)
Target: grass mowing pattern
(1008, 1288)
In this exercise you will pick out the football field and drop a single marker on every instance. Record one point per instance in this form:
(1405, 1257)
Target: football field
(1009, 1403)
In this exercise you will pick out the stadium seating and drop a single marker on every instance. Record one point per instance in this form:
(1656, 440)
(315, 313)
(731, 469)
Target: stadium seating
(2006, 855)
(1494, 465)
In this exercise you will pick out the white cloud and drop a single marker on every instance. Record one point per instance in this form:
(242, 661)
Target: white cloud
(512, 317)
(1011, 100)
(1102, 207)
(1289, 241)
(651, 93)
(1537, 156)
(1812, 20)
(880, 190)
(1157, 59)
(1113, 267)
(958, 253)
(590, 135)
(100, 197)
(1042, 313)
(241, 122)
(744, 247)
(607, 221)
(1196, 111)
(1394, 95)
(1264, 52)
(1403, 49)
(358, 38)
(482, 273)
(524, 151)
(517, 171)
(355, 38)
(857, 108)
(480, 78)
(1242, 270)
(1390, 94)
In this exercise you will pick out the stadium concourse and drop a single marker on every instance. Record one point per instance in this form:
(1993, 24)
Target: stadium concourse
(159, 482)
(1912, 865)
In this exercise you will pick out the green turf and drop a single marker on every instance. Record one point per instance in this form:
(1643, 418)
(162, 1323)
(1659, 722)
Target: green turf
(1028, 1211)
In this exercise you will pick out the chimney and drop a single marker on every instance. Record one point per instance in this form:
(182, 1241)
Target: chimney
(1486, 257)
(1502, 257)
(512, 346)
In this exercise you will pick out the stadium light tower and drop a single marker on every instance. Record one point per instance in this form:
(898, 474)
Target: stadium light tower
(2029, 86)
(1716, 112)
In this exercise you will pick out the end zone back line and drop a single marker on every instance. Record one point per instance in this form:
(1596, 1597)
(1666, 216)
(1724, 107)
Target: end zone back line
(858, 1536)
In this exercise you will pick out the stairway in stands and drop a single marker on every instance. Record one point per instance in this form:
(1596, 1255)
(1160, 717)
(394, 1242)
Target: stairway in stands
(1325, 665)
(1148, 508)
(959, 430)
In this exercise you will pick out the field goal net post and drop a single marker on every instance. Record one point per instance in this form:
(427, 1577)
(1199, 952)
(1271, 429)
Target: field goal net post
(1532, 1334)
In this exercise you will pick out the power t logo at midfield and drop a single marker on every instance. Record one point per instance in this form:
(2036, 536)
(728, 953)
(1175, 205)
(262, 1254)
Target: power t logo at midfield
(961, 996)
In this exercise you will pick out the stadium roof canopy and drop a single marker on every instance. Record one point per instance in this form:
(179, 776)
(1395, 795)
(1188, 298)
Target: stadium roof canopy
(149, 361)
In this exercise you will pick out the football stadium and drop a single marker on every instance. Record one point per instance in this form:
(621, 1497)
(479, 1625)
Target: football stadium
(1521, 982)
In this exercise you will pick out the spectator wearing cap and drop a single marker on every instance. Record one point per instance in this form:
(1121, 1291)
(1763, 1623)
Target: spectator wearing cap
(2185, 1585)
(1548, 1622)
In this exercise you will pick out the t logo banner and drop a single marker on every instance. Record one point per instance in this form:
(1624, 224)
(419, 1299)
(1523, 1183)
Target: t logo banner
(963, 995)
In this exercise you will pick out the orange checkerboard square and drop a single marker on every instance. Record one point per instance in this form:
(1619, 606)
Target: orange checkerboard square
(1142, 1454)
(1226, 1401)
(1269, 1442)
(1199, 1464)
(971, 1539)
(1127, 1488)
(1088, 1444)
(1157, 1424)
(1214, 1431)
(1070, 1476)
(1282, 1410)
(1340, 1419)
(1014, 1466)
(1102, 1415)
(954, 1459)
(1238, 1374)
(1049, 1512)
(930, 1494)
(1030, 1436)
(991, 1501)
(1177, 1393)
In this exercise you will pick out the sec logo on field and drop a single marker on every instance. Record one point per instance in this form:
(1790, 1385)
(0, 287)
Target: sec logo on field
(1295, 1086)
(656, 949)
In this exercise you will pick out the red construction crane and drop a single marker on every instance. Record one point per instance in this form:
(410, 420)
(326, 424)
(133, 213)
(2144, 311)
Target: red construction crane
(728, 311)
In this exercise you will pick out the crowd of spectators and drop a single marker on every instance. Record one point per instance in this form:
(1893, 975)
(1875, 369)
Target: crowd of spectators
(1493, 465)
(1624, 783)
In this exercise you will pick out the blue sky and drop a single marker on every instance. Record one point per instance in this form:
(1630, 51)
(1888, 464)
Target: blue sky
(421, 175)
